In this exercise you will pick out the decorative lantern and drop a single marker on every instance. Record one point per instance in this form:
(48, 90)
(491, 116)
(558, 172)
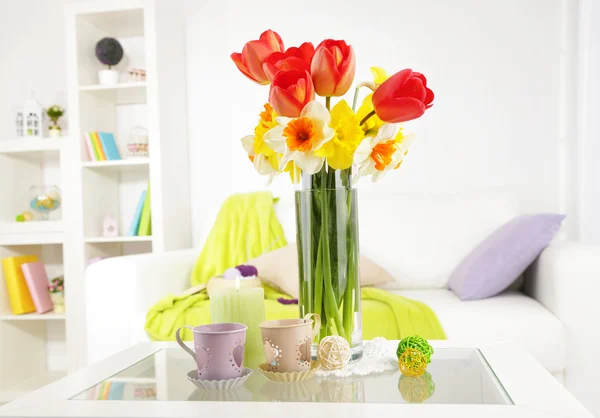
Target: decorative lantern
(19, 122)
(33, 116)
(138, 142)
(110, 227)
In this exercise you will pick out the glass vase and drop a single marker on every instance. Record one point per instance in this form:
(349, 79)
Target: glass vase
(328, 255)
(45, 199)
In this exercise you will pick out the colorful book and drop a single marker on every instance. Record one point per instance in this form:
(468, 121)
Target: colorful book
(109, 146)
(94, 150)
(89, 147)
(135, 222)
(98, 146)
(18, 292)
(37, 283)
(145, 228)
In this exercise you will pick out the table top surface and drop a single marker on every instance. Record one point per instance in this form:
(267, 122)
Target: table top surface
(465, 380)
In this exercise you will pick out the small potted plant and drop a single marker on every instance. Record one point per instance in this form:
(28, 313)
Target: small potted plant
(57, 293)
(109, 52)
(54, 114)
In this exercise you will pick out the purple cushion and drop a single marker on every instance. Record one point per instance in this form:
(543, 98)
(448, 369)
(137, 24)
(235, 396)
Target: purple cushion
(503, 256)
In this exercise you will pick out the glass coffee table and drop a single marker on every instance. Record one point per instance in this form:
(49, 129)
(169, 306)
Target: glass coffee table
(150, 380)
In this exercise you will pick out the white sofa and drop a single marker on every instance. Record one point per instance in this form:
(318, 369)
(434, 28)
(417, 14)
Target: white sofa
(419, 240)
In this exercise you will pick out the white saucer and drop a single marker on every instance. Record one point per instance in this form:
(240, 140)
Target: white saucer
(219, 384)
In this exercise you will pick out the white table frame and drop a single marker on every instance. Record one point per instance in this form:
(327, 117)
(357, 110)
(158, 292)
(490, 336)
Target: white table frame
(533, 390)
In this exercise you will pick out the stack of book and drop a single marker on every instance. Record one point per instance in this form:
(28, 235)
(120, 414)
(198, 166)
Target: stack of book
(141, 224)
(101, 146)
(27, 285)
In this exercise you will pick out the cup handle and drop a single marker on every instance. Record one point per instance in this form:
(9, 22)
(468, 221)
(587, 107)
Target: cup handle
(317, 324)
(181, 343)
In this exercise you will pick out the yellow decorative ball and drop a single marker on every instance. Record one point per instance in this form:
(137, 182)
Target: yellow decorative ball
(333, 352)
(412, 362)
(416, 389)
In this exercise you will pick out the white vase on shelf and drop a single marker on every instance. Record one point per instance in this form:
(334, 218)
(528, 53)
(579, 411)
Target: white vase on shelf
(108, 77)
(54, 131)
(58, 299)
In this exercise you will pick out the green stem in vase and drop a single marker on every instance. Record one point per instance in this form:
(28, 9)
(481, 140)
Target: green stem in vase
(348, 306)
(331, 308)
(318, 287)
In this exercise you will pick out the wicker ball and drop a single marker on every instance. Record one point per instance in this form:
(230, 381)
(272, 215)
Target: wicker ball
(418, 343)
(412, 362)
(333, 352)
(416, 389)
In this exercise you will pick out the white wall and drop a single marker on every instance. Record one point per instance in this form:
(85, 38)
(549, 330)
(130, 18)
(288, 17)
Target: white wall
(494, 66)
(590, 121)
(32, 41)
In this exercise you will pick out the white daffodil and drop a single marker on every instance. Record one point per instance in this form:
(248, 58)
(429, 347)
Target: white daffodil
(266, 165)
(375, 156)
(298, 138)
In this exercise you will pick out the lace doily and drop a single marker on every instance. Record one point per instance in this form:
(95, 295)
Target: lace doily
(377, 358)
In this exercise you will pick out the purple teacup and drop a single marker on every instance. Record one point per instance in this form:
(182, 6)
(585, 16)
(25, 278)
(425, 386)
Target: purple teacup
(219, 350)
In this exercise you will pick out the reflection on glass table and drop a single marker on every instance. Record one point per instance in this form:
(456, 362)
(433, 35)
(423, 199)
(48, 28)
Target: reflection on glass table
(455, 376)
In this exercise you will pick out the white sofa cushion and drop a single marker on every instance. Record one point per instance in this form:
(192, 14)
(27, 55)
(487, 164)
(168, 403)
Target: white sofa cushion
(508, 316)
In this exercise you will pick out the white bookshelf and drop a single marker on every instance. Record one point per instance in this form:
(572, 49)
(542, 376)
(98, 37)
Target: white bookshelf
(36, 349)
(30, 344)
(151, 33)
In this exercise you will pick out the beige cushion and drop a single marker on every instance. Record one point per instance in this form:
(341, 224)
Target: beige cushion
(279, 269)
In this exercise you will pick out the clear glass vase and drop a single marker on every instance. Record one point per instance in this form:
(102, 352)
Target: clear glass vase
(328, 255)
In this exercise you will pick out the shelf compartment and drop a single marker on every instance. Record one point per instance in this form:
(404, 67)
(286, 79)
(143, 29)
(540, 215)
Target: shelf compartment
(48, 316)
(122, 93)
(31, 145)
(31, 233)
(101, 240)
(117, 23)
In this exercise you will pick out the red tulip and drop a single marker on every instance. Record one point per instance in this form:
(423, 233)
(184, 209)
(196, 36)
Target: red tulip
(255, 53)
(332, 68)
(290, 92)
(402, 97)
(295, 58)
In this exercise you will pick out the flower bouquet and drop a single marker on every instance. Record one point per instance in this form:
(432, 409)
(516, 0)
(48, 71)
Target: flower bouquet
(326, 147)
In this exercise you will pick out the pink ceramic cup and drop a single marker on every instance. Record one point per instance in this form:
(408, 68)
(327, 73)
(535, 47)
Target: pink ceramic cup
(288, 342)
(219, 350)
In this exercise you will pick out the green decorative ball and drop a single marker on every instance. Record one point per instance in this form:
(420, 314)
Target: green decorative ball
(418, 343)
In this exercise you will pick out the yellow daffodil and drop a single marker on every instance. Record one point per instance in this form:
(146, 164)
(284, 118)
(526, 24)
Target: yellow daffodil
(348, 134)
(371, 125)
(379, 75)
(299, 138)
(377, 155)
(294, 171)
(265, 160)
